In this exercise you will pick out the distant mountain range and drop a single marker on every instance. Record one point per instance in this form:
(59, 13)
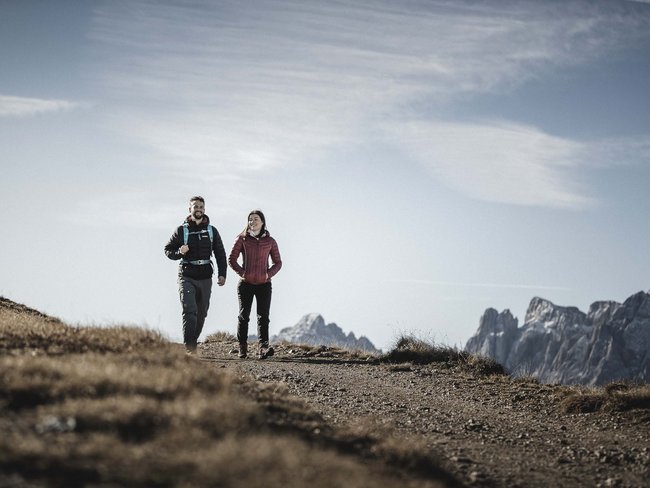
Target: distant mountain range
(311, 329)
(564, 345)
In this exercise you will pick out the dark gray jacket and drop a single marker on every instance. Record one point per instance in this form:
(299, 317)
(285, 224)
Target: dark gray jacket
(200, 249)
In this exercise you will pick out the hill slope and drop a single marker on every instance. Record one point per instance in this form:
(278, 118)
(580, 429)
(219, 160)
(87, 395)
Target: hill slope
(487, 430)
(123, 407)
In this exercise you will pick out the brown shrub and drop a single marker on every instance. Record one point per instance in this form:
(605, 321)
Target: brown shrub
(483, 365)
(220, 337)
(613, 397)
(634, 397)
(583, 403)
(409, 349)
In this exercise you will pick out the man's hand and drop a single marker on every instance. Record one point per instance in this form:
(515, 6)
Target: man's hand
(183, 249)
(221, 280)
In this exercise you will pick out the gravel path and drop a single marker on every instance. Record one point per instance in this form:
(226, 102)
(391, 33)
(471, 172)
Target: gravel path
(489, 431)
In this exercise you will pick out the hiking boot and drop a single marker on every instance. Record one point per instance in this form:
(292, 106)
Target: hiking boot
(265, 352)
(190, 350)
(243, 350)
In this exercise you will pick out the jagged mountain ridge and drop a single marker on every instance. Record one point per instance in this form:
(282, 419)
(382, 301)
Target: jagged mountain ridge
(564, 345)
(312, 329)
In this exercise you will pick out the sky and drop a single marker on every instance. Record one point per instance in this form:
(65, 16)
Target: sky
(417, 162)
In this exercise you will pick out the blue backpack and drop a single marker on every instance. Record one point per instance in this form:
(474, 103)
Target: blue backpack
(186, 235)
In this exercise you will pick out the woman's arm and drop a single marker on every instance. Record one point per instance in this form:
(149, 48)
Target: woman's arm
(275, 259)
(234, 256)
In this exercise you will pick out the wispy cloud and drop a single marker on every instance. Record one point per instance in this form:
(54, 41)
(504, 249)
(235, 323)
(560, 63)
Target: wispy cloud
(11, 106)
(618, 152)
(497, 161)
(518, 286)
(234, 87)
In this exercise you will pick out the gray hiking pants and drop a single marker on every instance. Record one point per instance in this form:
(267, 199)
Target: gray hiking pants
(195, 298)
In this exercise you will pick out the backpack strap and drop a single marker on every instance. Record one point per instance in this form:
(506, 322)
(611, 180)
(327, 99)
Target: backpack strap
(186, 232)
(186, 235)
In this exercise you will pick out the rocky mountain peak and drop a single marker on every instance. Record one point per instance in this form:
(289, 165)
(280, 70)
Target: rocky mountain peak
(601, 312)
(312, 329)
(496, 331)
(638, 305)
(545, 314)
(311, 321)
(564, 345)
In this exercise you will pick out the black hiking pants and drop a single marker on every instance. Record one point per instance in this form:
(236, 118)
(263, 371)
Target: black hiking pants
(195, 298)
(262, 294)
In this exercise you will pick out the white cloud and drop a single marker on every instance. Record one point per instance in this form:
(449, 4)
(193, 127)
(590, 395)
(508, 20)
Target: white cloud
(11, 106)
(234, 87)
(497, 162)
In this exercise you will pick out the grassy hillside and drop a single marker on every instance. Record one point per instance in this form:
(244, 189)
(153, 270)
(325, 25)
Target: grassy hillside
(121, 406)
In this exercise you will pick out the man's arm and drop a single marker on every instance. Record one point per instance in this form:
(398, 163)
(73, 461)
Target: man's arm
(220, 256)
(172, 248)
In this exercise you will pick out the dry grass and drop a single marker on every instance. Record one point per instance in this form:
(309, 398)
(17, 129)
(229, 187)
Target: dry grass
(618, 396)
(483, 366)
(323, 351)
(409, 349)
(34, 334)
(221, 337)
(122, 407)
(526, 379)
(295, 350)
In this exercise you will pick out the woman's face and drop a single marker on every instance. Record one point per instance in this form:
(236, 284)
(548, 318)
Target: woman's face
(254, 222)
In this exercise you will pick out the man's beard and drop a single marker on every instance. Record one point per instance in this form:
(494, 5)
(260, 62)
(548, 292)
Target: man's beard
(198, 215)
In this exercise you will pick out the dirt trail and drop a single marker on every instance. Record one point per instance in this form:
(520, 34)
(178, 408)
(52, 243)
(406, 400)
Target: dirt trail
(490, 431)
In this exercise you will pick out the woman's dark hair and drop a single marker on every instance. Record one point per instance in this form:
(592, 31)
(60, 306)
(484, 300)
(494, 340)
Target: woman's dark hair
(258, 212)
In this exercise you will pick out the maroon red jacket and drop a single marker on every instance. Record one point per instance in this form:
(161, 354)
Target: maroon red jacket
(255, 252)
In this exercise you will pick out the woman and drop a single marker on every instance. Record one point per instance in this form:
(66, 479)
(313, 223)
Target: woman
(255, 245)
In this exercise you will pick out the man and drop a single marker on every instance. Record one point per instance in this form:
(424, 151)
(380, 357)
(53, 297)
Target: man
(193, 243)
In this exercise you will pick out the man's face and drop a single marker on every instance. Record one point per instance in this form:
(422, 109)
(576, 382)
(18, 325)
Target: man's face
(197, 209)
